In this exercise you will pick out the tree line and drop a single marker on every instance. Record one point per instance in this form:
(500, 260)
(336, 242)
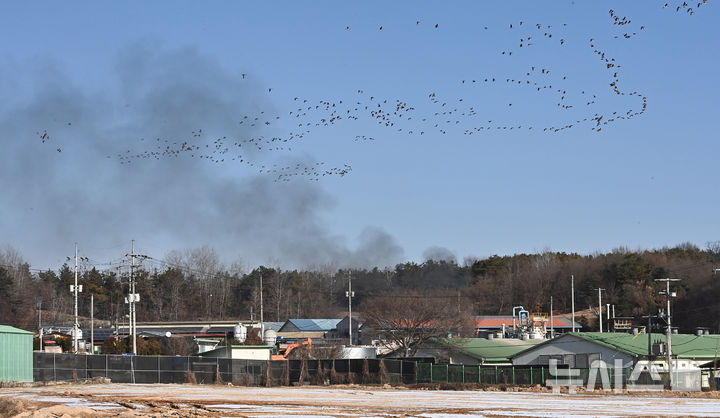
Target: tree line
(194, 285)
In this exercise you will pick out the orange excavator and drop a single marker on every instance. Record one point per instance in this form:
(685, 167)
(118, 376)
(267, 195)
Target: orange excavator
(290, 348)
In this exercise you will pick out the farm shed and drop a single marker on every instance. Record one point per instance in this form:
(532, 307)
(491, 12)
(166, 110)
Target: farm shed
(16, 354)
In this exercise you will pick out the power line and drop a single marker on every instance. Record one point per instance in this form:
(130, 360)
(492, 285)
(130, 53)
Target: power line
(21, 267)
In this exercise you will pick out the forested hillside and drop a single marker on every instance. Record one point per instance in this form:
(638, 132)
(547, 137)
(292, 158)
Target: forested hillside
(194, 285)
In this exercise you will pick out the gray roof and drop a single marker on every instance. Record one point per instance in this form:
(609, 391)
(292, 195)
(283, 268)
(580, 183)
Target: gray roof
(275, 326)
(310, 324)
(683, 345)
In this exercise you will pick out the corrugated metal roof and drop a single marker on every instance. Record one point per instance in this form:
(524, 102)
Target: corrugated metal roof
(194, 331)
(7, 329)
(275, 326)
(683, 345)
(314, 324)
(686, 346)
(500, 349)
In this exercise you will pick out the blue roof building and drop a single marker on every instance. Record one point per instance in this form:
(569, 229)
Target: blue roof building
(309, 325)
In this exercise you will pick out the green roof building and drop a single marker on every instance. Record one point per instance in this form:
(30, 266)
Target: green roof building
(16, 354)
(473, 351)
(579, 349)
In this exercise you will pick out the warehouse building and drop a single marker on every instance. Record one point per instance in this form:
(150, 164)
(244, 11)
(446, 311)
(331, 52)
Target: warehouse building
(16, 354)
(580, 349)
(473, 351)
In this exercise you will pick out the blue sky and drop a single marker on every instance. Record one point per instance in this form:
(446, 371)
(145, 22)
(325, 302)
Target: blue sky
(124, 73)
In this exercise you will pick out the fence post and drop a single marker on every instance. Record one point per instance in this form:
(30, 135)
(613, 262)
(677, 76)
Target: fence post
(158, 367)
(463, 371)
(106, 365)
(531, 375)
(54, 372)
(496, 375)
(447, 373)
(479, 373)
(513, 374)
(431, 370)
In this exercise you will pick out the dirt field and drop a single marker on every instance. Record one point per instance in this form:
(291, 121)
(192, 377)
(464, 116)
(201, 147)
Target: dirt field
(89, 400)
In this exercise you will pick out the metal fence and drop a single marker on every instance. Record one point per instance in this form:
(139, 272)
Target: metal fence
(204, 370)
(339, 371)
(493, 375)
(528, 375)
(147, 369)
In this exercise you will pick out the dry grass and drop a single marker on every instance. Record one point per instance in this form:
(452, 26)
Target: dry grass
(10, 407)
(336, 378)
(383, 374)
(190, 378)
(244, 379)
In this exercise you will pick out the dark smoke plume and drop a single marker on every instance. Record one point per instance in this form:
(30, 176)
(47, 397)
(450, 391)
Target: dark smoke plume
(63, 183)
(436, 253)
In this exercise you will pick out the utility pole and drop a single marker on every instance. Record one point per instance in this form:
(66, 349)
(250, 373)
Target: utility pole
(133, 297)
(649, 334)
(40, 329)
(92, 324)
(600, 308)
(607, 309)
(668, 350)
(552, 324)
(262, 318)
(350, 294)
(572, 299)
(75, 289)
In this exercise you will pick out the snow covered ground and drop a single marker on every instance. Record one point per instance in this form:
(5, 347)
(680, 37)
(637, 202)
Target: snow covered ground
(354, 401)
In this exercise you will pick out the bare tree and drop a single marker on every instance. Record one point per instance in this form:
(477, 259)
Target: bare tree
(405, 320)
(277, 282)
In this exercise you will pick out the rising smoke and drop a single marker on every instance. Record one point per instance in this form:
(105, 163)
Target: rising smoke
(436, 253)
(63, 181)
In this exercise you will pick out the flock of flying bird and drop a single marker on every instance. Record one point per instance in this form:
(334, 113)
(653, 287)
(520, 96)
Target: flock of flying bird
(686, 7)
(437, 118)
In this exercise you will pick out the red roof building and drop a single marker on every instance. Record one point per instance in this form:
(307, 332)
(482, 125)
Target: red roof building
(495, 322)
